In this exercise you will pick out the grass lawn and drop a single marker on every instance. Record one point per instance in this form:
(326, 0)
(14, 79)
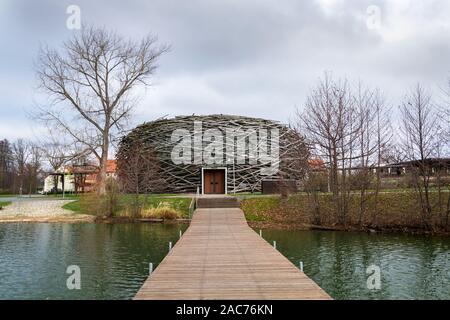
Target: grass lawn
(77, 196)
(73, 206)
(4, 203)
(260, 209)
(398, 209)
(246, 194)
(66, 196)
(153, 201)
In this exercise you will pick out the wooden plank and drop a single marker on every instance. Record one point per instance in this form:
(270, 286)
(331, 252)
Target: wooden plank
(221, 257)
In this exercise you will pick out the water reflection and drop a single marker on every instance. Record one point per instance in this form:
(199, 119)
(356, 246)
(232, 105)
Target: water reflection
(113, 258)
(412, 267)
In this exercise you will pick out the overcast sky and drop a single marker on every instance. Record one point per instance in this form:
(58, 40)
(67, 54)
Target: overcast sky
(253, 57)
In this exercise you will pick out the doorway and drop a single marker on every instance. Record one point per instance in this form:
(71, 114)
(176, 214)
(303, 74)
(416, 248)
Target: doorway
(214, 181)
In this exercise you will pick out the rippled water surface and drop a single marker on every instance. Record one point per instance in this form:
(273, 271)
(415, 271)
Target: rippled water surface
(412, 267)
(114, 259)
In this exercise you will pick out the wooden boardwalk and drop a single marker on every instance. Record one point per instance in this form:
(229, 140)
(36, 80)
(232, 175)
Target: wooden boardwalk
(221, 257)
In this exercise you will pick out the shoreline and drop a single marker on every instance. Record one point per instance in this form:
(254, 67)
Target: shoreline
(71, 218)
(350, 229)
(266, 218)
(84, 218)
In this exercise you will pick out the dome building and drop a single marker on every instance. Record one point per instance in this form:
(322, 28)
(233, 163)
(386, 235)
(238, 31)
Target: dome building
(216, 154)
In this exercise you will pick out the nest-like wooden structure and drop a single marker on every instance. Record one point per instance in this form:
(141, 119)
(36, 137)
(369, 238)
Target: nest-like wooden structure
(156, 136)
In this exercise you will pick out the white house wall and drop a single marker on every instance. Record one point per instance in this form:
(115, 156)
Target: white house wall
(69, 183)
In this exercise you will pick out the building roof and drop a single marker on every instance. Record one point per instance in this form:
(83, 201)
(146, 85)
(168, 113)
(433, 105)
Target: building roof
(316, 163)
(87, 168)
(111, 166)
(428, 161)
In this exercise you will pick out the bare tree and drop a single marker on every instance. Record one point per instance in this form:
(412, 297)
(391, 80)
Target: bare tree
(366, 144)
(315, 182)
(440, 172)
(139, 173)
(20, 156)
(33, 167)
(329, 122)
(373, 140)
(443, 148)
(419, 132)
(6, 166)
(383, 143)
(444, 114)
(56, 154)
(91, 82)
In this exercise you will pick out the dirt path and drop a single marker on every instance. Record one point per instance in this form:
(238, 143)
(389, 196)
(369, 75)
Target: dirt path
(39, 210)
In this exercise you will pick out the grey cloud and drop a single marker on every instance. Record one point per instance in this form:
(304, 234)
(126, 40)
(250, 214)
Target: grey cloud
(253, 57)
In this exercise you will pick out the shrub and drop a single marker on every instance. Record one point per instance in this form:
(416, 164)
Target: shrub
(106, 205)
(133, 209)
(89, 204)
(315, 182)
(111, 198)
(163, 212)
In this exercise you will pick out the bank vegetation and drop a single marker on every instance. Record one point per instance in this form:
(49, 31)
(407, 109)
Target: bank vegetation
(349, 127)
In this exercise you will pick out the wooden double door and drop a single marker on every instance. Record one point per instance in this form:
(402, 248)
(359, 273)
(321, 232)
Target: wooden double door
(214, 181)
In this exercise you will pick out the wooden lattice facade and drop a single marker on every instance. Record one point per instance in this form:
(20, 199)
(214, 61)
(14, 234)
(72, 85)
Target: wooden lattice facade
(249, 150)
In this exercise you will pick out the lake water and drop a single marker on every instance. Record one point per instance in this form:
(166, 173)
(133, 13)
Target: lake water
(411, 267)
(114, 259)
